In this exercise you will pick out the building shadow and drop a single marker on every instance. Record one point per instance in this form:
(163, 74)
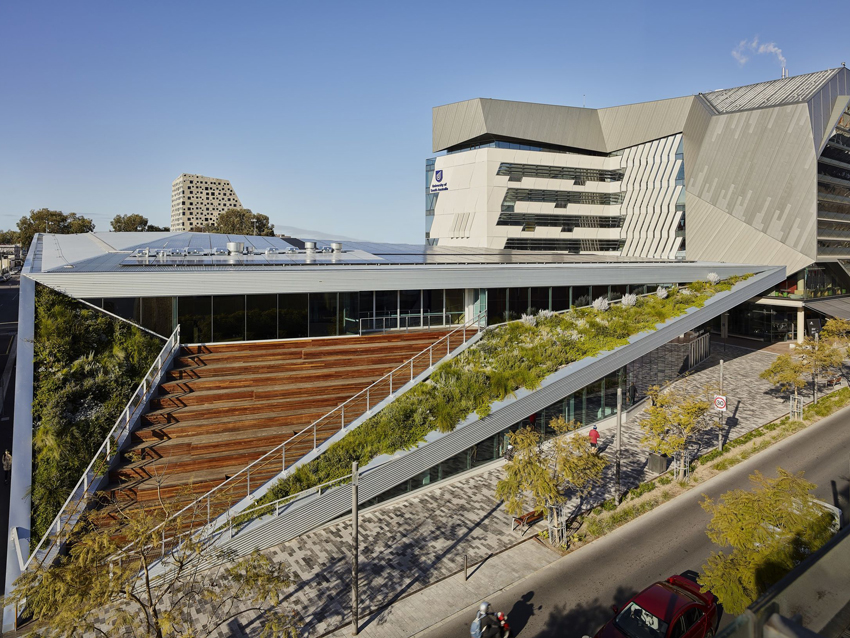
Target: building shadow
(576, 621)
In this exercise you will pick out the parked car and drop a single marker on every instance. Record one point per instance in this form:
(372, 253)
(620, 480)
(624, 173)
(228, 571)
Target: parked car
(674, 608)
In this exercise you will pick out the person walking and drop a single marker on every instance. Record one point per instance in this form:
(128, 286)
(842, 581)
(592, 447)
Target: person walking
(593, 435)
(632, 393)
(7, 466)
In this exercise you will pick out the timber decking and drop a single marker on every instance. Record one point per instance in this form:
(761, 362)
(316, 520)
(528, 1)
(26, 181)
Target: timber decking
(224, 406)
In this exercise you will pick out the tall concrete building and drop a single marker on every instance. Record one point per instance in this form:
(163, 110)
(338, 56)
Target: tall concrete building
(197, 201)
(756, 174)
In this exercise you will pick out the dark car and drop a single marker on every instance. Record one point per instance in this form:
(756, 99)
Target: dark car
(674, 608)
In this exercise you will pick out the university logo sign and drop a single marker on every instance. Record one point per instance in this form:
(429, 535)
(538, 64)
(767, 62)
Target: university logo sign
(438, 184)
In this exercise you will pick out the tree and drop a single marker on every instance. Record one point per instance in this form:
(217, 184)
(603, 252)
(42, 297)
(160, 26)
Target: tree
(9, 237)
(838, 329)
(241, 221)
(45, 220)
(818, 355)
(673, 420)
(134, 223)
(770, 530)
(787, 372)
(545, 474)
(104, 588)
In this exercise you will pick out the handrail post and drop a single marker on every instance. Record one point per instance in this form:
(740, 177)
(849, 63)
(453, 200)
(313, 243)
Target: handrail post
(367, 399)
(248, 481)
(314, 435)
(208, 510)
(430, 357)
(342, 418)
(391, 383)
(411, 369)
(283, 456)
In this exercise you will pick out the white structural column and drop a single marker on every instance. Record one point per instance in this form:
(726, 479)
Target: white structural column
(19, 499)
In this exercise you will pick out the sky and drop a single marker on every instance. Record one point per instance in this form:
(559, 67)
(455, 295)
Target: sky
(319, 113)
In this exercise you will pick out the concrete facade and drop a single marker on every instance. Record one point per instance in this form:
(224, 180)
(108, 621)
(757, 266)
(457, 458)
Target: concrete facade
(197, 201)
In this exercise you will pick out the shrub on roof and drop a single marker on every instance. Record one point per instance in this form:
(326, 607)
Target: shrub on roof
(86, 366)
(508, 357)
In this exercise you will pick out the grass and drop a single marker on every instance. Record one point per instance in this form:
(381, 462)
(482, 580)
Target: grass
(515, 355)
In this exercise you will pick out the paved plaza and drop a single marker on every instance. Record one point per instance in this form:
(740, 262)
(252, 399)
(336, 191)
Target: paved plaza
(412, 550)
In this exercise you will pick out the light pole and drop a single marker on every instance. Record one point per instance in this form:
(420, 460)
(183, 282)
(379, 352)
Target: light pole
(619, 436)
(354, 550)
(720, 418)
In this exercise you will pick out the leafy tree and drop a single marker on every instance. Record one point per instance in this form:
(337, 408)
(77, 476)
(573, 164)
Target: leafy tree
(9, 237)
(545, 474)
(770, 530)
(45, 220)
(134, 223)
(673, 420)
(105, 588)
(836, 329)
(818, 356)
(787, 372)
(241, 221)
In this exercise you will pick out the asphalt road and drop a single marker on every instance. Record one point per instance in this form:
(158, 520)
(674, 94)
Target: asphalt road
(573, 596)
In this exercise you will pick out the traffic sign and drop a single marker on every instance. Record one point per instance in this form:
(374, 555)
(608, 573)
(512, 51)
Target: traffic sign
(720, 403)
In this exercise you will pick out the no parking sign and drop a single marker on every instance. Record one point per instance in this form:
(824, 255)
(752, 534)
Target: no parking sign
(720, 403)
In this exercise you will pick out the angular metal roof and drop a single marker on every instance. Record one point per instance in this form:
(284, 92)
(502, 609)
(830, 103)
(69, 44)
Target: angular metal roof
(791, 90)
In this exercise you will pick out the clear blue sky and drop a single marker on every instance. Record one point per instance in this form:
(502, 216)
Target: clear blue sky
(320, 112)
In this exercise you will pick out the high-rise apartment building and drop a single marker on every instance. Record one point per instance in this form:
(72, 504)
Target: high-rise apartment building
(197, 201)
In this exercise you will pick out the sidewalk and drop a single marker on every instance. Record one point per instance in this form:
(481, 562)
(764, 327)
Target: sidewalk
(412, 549)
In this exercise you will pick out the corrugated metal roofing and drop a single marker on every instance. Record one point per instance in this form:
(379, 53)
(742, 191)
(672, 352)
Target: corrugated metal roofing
(791, 90)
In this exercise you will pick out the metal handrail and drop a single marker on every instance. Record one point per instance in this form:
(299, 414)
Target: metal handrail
(404, 321)
(407, 371)
(98, 468)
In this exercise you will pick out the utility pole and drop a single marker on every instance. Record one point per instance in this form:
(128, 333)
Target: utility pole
(355, 550)
(619, 435)
(720, 418)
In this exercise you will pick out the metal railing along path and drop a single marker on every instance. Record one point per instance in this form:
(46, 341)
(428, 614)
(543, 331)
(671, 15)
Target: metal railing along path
(234, 493)
(98, 469)
(409, 321)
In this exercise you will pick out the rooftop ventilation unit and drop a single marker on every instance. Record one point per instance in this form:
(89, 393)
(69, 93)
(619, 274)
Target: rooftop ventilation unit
(337, 247)
(235, 247)
(310, 246)
(272, 251)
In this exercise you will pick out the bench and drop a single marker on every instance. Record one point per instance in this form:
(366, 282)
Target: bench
(833, 381)
(525, 521)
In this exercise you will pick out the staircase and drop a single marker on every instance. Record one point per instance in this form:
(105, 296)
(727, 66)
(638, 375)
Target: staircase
(223, 406)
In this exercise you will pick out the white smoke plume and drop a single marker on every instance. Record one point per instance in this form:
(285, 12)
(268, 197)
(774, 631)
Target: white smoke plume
(746, 48)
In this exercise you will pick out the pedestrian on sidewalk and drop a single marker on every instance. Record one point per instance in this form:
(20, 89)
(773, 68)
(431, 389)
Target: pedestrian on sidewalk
(632, 393)
(7, 466)
(594, 439)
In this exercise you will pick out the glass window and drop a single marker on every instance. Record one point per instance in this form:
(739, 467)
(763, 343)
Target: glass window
(581, 296)
(597, 292)
(386, 303)
(455, 306)
(125, 307)
(410, 304)
(292, 316)
(323, 309)
(367, 304)
(349, 306)
(260, 317)
(639, 623)
(458, 463)
(432, 307)
(157, 315)
(497, 305)
(560, 298)
(517, 302)
(593, 403)
(229, 318)
(194, 314)
(539, 299)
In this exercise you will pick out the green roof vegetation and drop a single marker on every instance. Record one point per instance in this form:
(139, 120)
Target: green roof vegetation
(519, 354)
(86, 366)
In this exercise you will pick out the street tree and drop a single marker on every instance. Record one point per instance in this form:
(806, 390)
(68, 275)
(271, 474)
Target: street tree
(838, 329)
(786, 372)
(134, 223)
(45, 220)
(770, 530)
(675, 418)
(105, 588)
(539, 477)
(819, 356)
(241, 221)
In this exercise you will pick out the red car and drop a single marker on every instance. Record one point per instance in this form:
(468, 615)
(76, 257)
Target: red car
(674, 608)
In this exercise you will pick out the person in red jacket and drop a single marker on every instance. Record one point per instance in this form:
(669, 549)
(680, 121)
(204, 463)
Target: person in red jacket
(594, 439)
